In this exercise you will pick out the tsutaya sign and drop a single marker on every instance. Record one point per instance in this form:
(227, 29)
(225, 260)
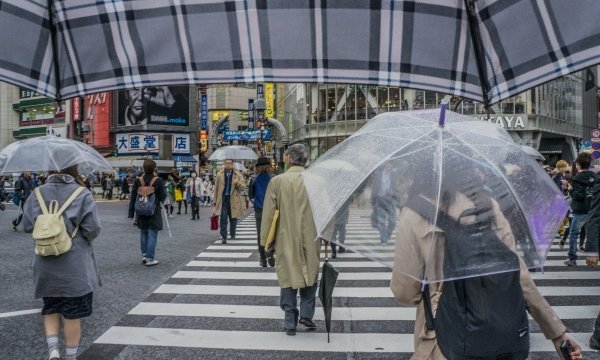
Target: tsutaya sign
(508, 122)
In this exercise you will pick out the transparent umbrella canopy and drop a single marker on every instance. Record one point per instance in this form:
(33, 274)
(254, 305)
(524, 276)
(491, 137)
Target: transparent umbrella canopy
(51, 153)
(233, 152)
(366, 186)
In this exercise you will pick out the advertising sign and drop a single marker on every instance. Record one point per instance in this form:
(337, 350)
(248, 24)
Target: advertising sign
(246, 135)
(60, 109)
(161, 105)
(136, 143)
(203, 112)
(270, 100)
(76, 108)
(509, 122)
(250, 113)
(260, 91)
(217, 115)
(181, 144)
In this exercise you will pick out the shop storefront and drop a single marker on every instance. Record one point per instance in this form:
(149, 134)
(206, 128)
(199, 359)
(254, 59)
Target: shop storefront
(38, 116)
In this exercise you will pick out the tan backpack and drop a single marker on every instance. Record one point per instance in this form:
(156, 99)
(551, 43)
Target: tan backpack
(49, 231)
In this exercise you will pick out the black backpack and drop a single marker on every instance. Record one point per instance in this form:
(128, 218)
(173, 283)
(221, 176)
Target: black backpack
(481, 317)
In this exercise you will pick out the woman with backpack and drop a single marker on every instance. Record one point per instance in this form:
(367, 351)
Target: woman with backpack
(148, 212)
(66, 282)
(472, 317)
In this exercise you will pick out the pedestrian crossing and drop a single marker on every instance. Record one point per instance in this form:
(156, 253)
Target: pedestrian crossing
(223, 305)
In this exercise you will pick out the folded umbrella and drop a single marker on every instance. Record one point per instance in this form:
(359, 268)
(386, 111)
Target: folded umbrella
(329, 277)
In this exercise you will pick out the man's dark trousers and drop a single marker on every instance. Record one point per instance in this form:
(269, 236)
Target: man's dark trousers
(258, 218)
(226, 215)
(289, 304)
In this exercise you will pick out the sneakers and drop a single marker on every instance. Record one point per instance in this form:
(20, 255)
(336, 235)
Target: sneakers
(14, 227)
(310, 325)
(290, 332)
(582, 249)
(144, 260)
(223, 240)
(54, 355)
(571, 263)
(151, 263)
(561, 244)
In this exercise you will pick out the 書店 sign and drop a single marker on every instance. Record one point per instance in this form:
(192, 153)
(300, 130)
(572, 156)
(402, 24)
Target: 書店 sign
(508, 122)
(181, 144)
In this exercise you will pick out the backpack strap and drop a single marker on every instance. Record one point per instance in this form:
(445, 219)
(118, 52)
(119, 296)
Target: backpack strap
(142, 182)
(154, 179)
(71, 198)
(41, 201)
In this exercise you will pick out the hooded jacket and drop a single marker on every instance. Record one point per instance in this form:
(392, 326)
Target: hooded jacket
(582, 182)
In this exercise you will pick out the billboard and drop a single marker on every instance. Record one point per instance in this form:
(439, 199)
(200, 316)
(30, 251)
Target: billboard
(247, 135)
(161, 105)
(143, 142)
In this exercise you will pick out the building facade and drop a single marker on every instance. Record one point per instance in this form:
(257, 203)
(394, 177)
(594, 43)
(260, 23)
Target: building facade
(9, 119)
(554, 118)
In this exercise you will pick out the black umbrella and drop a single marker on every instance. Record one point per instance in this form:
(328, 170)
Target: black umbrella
(329, 276)
(483, 50)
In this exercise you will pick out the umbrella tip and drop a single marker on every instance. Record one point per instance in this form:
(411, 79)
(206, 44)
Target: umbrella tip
(442, 120)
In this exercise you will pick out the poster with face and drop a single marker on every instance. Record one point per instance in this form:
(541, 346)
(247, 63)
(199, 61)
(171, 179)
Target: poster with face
(160, 105)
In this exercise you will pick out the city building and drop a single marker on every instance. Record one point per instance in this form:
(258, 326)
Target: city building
(555, 118)
(38, 116)
(9, 119)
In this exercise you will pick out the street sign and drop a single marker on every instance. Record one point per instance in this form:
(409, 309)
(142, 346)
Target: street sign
(587, 144)
(596, 133)
(260, 90)
(251, 114)
(595, 139)
(596, 155)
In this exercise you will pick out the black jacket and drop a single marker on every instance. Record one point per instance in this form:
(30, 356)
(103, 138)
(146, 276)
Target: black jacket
(149, 222)
(592, 230)
(581, 184)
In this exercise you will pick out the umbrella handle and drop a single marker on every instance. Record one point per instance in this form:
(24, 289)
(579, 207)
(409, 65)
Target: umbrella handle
(326, 245)
(442, 120)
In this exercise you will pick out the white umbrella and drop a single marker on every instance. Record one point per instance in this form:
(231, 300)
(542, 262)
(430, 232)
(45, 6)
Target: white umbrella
(51, 153)
(234, 152)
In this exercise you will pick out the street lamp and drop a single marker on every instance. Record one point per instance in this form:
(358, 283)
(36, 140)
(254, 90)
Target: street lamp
(260, 105)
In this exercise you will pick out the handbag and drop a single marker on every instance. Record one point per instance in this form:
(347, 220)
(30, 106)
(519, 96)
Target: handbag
(270, 242)
(178, 195)
(214, 222)
(188, 197)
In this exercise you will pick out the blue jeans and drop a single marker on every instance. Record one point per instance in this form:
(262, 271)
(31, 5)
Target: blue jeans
(576, 225)
(148, 243)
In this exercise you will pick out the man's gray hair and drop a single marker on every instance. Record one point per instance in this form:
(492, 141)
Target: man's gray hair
(297, 154)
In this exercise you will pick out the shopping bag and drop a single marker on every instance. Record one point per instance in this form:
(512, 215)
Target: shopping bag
(214, 222)
(178, 195)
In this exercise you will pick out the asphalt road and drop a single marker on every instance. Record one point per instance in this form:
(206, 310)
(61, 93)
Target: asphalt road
(125, 281)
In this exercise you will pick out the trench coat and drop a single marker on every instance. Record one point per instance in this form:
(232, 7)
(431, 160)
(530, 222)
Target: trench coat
(417, 246)
(73, 273)
(237, 201)
(296, 251)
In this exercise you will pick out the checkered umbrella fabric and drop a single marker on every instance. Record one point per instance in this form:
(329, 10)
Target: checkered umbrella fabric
(485, 50)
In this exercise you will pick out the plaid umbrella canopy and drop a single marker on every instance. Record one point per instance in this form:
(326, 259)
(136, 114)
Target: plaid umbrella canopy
(483, 50)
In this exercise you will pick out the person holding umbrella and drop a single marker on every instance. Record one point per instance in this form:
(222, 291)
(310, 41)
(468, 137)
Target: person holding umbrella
(296, 251)
(228, 199)
(66, 282)
(466, 204)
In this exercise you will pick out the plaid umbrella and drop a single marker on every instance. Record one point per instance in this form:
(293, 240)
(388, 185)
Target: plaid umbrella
(483, 50)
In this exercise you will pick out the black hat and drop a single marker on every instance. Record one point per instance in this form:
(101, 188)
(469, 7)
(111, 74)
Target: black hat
(263, 161)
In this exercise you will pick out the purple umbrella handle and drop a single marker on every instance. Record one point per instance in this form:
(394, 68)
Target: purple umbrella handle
(442, 121)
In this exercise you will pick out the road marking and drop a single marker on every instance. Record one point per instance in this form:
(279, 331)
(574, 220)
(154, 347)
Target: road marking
(224, 255)
(340, 314)
(253, 264)
(353, 292)
(569, 291)
(224, 275)
(19, 313)
(278, 341)
(566, 275)
(271, 312)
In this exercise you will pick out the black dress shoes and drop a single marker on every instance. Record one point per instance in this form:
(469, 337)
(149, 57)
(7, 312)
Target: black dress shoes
(310, 325)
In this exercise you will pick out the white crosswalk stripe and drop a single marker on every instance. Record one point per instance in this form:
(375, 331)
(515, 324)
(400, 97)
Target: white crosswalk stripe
(225, 283)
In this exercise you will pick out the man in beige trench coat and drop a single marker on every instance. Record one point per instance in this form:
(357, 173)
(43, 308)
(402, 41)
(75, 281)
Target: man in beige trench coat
(228, 199)
(296, 251)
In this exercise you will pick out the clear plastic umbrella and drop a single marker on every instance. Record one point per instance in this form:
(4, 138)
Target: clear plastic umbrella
(51, 153)
(464, 165)
(233, 152)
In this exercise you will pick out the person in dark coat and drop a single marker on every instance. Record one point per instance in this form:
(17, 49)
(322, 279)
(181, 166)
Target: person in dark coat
(149, 225)
(23, 188)
(256, 192)
(583, 184)
(592, 250)
(383, 201)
